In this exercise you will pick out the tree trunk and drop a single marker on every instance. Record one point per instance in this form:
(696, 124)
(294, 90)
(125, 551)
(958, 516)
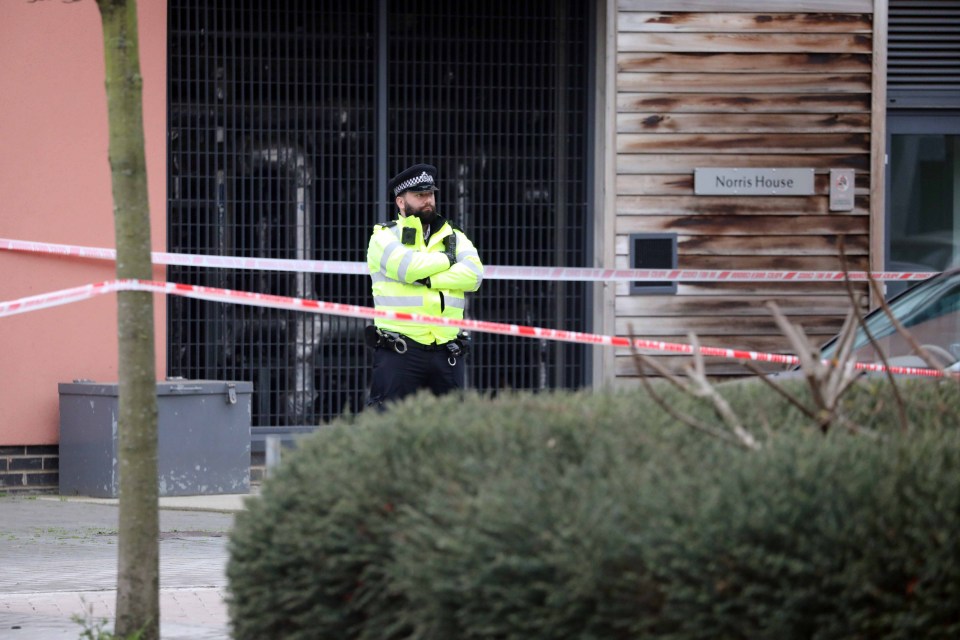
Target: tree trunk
(138, 583)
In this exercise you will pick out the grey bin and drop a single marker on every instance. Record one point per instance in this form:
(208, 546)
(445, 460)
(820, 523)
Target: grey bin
(203, 433)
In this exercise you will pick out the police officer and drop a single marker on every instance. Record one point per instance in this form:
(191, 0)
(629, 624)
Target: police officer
(419, 263)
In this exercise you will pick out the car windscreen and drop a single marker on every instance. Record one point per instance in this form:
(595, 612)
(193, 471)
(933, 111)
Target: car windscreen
(930, 311)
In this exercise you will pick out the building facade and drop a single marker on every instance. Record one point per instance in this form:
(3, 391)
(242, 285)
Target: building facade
(726, 134)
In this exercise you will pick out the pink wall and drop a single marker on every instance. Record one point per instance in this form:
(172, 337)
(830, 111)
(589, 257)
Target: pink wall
(55, 187)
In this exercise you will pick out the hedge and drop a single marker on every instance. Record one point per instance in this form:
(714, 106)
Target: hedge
(596, 515)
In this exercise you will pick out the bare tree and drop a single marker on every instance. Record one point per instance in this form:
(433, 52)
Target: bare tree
(698, 387)
(827, 381)
(138, 581)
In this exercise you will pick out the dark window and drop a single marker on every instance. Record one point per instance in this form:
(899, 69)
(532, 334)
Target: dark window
(653, 251)
(285, 117)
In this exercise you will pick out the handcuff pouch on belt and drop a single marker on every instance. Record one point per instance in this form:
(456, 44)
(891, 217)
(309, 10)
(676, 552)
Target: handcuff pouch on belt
(459, 347)
(375, 338)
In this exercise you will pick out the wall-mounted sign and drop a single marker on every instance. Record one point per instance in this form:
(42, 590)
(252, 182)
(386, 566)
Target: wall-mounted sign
(752, 182)
(841, 189)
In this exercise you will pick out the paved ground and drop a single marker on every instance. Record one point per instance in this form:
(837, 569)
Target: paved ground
(58, 559)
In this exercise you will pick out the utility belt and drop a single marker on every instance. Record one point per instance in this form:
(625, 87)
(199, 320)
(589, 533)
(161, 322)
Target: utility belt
(377, 338)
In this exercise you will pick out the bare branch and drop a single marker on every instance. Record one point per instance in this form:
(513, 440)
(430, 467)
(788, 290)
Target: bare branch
(704, 389)
(656, 366)
(855, 302)
(792, 399)
(932, 362)
(827, 382)
(810, 361)
(690, 421)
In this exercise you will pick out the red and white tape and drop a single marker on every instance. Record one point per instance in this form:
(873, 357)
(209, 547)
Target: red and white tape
(570, 274)
(77, 294)
(57, 298)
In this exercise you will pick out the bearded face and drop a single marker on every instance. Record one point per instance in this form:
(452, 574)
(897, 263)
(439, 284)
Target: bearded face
(420, 204)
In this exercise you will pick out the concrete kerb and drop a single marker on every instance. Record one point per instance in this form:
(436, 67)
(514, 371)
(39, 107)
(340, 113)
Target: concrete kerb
(225, 503)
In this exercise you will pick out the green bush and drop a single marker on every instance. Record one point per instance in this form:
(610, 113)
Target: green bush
(597, 516)
(817, 538)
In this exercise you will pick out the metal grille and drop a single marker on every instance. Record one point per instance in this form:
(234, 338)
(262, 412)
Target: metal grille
(493, 92)
(923, 67)
(285, 118)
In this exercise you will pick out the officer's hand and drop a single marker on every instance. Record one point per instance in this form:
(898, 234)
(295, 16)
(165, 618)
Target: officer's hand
(425, 281)
(450, 248)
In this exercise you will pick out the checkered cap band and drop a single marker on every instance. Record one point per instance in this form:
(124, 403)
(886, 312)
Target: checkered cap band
(424, 179)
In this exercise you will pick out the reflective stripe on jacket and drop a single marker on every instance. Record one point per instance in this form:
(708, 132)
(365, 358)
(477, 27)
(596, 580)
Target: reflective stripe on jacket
(395, 268)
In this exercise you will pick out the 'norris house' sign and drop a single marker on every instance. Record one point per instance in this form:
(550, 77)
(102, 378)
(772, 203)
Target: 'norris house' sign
(753, 182)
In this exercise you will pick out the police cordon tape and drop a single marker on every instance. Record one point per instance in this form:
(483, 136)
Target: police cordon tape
(213, 294)
(493, 272)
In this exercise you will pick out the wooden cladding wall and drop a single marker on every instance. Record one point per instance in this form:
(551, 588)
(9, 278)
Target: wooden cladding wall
(740, 83)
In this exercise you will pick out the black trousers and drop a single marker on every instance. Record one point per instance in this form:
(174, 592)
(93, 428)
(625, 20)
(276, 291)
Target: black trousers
(397, 375)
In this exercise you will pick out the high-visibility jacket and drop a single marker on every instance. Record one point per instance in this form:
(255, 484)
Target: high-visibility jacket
(396, 266)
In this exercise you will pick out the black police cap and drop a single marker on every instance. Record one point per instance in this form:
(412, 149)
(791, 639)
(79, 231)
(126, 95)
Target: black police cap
(419, 177)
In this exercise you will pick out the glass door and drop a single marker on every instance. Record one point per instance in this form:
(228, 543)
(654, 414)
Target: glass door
(923, 191)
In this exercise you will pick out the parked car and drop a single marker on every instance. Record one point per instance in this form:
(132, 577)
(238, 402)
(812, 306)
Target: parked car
(930, 311)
